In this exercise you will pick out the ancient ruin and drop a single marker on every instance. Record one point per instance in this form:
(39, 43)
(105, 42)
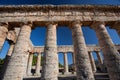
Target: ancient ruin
(17, 22)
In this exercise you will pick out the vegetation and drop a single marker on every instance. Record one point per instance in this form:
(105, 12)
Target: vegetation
(34, 62)
(1, 63)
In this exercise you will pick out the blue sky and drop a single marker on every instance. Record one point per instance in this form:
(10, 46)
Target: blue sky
(63, 33)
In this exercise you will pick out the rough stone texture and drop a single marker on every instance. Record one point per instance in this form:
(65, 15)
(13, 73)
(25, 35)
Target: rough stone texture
(69, 48)
(65, 63)
(50, 67)
(11, 37)
(92, 61)
(83, 66)
(111, 55)
(62, 14)
(29, 65)
(38, 65)
(3, 33)
(17, 66)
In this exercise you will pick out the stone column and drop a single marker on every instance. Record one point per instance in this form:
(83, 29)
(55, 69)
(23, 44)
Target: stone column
(116, 26)
(38, 65)
(73, 57)
(17, 64)
(3, 33)
(111, 55)
(83, 66)
(50, 67)
(9, 53)
(99, 57)
(65, 63)
(29, 66)
(92, 61)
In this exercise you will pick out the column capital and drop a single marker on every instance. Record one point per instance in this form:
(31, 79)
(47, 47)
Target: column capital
(95, 24)
(116, 25)
(51, 23)
(29, 23)
(75, 23)
(4, 24)
(64, 52)
(96, 51)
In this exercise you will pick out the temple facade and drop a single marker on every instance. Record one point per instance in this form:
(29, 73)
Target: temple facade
(17, 22)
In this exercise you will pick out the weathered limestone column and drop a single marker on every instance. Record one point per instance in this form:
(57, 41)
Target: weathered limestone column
(17, 64)
(92, 61)
(99, 57)
(50, 67)
(29, 66)
(11, 37)
(73, 57)
(65, 63)
(38, 65)
(3, 33)
(83, 66)
(111, 55)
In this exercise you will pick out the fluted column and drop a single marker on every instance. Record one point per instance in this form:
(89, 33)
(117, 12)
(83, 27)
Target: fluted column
(29, 65)
(17, 65)
(9, 53)
(99, 57)
(65, 63)
(50, 67)
(38, 65)
(83, 66)
(111, 55)
(3, 33)
(92, 61)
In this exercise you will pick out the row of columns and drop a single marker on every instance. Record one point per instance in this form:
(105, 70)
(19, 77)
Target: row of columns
(92, 61)
(66, 66)
(17, 65)
(38, 65)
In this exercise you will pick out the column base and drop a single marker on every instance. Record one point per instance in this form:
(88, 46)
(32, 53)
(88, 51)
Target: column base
(37, 74)
(30, 74)
(67, 73)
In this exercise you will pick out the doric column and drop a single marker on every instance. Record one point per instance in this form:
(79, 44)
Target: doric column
(9, 53)
(92, 61)
(99, 57)
(38, 65)
(65, 63)
(73, 57)
(116, 26)
(50, 67)
(83, 66)
(3, 33)
(111, 55)
(29, 65)
(17, 65)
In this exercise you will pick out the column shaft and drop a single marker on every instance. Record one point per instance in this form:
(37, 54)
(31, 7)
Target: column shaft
(50, 67)
(29, 66)
(92, 61)
(9, 53)
(99, 57)
(38, 65)
(3, 33)
(73, 57)
(17, 65)
(111, 55)
(83, 66)
(65, 63)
